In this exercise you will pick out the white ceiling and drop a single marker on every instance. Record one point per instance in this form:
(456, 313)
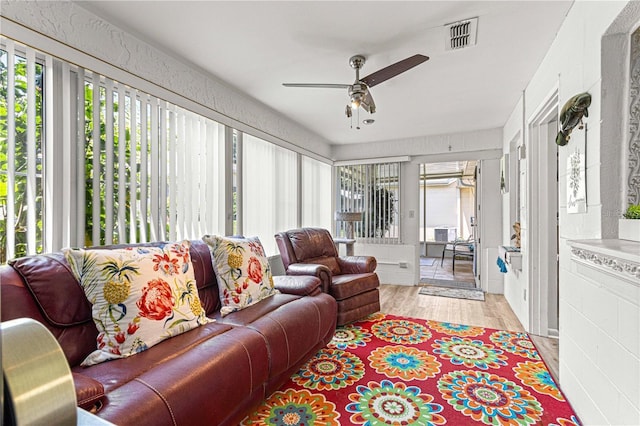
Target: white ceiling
(256, 46)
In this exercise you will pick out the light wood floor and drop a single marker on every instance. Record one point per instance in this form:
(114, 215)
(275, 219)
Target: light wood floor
(494, 312)
(444, 271)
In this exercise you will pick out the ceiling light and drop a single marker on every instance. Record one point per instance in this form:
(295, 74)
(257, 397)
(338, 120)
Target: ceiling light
(368, 121)
(356, 99)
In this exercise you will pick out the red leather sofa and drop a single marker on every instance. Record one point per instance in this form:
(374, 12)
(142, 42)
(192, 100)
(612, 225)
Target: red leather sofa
(214, 374)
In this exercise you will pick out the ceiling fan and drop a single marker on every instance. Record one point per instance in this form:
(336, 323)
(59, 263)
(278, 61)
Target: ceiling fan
(359, 94)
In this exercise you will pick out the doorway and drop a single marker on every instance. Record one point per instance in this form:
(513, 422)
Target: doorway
(543, 244)
(448, 223)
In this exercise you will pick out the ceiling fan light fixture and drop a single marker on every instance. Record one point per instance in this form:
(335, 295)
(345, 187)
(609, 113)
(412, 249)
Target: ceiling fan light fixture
(356, 100)
(368, 121)
(359, 94)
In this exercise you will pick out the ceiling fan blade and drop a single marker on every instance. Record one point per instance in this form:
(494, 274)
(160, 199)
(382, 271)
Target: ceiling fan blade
(319, 86)
(394, 69)
(368, 104)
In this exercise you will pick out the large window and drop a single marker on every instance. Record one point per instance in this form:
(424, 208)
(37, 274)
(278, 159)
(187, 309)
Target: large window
(86, 160)
(316, 193)
(89, 160)
(269, 190)
(373, 190)
(156, 172)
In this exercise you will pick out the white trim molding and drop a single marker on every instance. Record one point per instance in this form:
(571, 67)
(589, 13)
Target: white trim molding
(618, 258)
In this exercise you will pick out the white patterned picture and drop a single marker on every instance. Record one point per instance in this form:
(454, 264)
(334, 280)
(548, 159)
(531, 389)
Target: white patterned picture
(576, 192)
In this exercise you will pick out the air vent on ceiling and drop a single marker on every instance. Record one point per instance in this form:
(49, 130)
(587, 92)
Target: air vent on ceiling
(461, 34)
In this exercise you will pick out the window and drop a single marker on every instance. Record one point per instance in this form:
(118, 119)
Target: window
(88, 160)
(269, 190)
(316, 193)
(155, 173)
(372, 189)
(91, 161)
(21, 152)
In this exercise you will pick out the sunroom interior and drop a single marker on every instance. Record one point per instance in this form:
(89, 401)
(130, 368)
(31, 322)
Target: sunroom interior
(125, 133)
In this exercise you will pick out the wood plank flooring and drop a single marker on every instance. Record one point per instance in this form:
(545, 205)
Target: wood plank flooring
(444, 271)
(494, 312)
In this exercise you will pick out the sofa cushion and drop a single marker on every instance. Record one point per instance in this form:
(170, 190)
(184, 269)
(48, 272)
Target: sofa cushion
(44, 288)
(200, 377)
(139, 296)
(243, 271)
(291, 326)
(349, 285)
(36, 271)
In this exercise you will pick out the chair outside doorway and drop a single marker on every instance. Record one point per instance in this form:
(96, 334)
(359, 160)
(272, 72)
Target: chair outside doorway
(460, 249)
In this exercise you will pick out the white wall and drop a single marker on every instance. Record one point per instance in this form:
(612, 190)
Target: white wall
(389, 258)
(599, 315)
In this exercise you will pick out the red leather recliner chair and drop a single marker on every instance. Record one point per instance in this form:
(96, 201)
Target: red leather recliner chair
(350, 280)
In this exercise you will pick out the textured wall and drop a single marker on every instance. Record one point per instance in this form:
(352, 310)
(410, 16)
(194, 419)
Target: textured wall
(633, 162)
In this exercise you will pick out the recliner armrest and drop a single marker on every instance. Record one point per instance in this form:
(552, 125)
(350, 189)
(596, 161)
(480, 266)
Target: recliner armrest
(313, 269)
(300, 285)
(357, 264)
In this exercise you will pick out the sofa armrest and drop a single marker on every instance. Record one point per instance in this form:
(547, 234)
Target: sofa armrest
(357, 264)
(89, 392)
(300, 285)
(314, 270)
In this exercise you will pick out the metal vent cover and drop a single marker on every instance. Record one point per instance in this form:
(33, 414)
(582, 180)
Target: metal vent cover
(461, 34)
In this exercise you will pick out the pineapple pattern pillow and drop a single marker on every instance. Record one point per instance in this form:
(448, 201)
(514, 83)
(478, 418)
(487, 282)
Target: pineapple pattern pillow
(242, 269)
(140, 296)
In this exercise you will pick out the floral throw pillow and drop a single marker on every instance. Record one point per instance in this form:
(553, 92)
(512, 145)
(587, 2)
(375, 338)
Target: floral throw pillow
(140, 296)
(242, 269)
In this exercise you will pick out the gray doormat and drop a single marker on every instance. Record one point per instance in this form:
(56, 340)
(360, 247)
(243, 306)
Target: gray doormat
(448, 283)
(456, 293)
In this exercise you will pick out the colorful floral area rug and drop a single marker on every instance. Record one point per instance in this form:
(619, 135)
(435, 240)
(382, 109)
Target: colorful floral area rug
(390, 370)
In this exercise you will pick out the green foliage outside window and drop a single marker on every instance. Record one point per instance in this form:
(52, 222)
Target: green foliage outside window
(20, 155)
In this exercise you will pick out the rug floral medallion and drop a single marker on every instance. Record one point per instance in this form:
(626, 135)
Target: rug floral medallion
(391, 370)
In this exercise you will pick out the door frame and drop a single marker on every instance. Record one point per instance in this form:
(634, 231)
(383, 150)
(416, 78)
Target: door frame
(542, 216)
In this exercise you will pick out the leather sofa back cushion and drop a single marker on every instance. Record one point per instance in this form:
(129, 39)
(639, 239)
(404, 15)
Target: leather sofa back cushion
(310, 243)
(205, 277)
(54, 288)
(64, 309)
(58, 300)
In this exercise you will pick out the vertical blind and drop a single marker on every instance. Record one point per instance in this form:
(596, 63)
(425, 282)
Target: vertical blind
(21, 168)
(156, 168)
(316, 193)
(87, 160)
(372, 189)
(269, 190)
